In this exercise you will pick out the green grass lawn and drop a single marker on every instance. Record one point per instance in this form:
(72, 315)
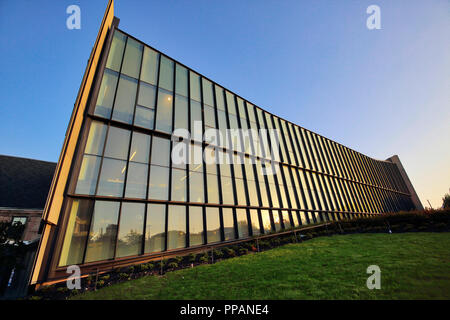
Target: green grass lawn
(413, 266)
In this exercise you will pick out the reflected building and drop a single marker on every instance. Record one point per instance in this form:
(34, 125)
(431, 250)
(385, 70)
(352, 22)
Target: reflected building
(118, 198)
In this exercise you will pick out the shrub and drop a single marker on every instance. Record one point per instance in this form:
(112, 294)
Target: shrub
(123, 275)
(100, 283)
(172, 265)
(105, 277)
(178, 259)
(204, 258)
(192, 257)
(229, 252)
(243, 251)
(218, 253)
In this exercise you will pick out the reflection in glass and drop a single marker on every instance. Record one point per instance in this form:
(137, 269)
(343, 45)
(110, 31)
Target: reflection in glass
(159, 183)
(106, 93)
(181, 112)
(103, 232)
(144, 117)
(164, 111)
(117, 143)
(276, 220)
(228, 223)
(136, 180)
(196, 187)
(179, 178)
(131, 226)
(160, 151)
(213, 188)
(255, 222)
(96, 138)
(195, 86)
(116, 51)
(149, 65)
(212, 224)
(166, 74)
(132, 59)
(111, 178)
(125, 99)
(87, 178)
(242, 223)
(181, 80)
(286, 219)
(147, 95)
(227, 190)
(265, 217)
(208, 97)
(155, 228)
(140, 147)
(76, 233)
(176, 227)
(196, 233)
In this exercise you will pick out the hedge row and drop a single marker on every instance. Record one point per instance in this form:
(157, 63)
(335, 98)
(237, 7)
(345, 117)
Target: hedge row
(430, 221)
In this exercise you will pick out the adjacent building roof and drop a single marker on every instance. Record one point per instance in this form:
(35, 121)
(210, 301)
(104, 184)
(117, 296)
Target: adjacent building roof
(24, 183)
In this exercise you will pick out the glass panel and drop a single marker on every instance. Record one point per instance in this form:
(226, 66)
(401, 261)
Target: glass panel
(160, 151)
(155, 227)
(286, 220)
(159, 183)
(220, 98)
(149, 65)
(76, 233)
(240, 192)
(132, 59)
(181, 112)
(227, 190)
(144, 117)
(117, 143)
(228, 223)
(207, 92)
(213, 188)
(196, 187)
(140, 147)
(106, 93)
(210, 117)
(176, 227)
(166, 74)
(147, 95)
(164, 111)
(125, 100)
(96, 138)
(131, 228)
(213, 224)
(102, 236)
(196, 119)
(295, 218)
(111, 178)
(181, 80)
(255, 222)
(230, 103)
(265, 217)
(276, 220)
(116, 51)
(195, 86)
(87, 178)
(195, 226)
(242, 223)
(136, 180)
(178, 192)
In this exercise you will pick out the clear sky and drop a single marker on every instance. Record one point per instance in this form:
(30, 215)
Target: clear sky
(315, 63)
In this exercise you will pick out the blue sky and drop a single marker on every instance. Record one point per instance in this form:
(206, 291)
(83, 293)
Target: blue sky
(380, 92)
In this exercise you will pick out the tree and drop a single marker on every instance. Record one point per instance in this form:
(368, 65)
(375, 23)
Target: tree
(446, 201)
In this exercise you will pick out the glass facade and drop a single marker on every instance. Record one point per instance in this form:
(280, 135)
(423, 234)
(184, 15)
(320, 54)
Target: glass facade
(130, 198)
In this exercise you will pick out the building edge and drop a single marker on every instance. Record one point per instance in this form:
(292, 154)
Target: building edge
(414, 197)
(55, 198)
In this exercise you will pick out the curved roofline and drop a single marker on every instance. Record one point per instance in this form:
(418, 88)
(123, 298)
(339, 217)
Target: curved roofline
(237, 95)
